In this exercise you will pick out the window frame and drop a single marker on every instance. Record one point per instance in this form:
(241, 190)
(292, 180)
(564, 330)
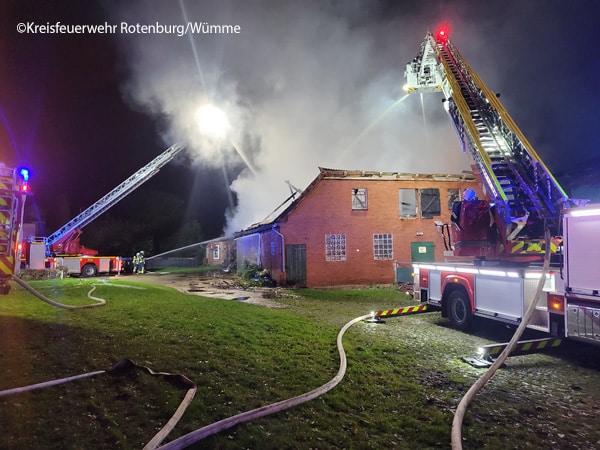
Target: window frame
(360, 199)
(433, 208)
(453, 196)
(335, 247)
(402, 205)
(383, 246)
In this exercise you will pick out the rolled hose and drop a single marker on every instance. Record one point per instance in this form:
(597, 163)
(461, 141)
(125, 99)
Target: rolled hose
(456, 433)
(216, 427)
(100, 302)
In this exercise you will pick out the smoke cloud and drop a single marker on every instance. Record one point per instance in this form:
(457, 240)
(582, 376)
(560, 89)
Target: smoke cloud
(303, 85)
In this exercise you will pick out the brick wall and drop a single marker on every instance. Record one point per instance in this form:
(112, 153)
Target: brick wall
(327, 209)
(225, 248)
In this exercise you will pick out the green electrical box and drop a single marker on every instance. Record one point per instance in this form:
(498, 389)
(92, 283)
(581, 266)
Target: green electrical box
(422, 251)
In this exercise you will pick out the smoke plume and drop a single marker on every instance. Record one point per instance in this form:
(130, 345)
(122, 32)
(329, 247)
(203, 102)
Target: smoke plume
(303, 85)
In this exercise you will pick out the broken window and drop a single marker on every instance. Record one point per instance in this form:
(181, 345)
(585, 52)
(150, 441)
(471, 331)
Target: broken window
(359, 198)
(383, 246)
(408, 202)
(453, 196)
(335, 247)
(430, 202)
(216, 252)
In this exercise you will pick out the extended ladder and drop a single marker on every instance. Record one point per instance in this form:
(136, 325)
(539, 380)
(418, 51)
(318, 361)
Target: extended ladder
(117, 194)
(525, 194)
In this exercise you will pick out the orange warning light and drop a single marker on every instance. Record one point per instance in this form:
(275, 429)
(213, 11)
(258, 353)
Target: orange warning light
(556, 303)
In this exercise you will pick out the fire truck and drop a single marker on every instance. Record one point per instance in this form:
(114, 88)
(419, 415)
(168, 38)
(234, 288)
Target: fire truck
(13, 193)
(63, 247)
(494, 264)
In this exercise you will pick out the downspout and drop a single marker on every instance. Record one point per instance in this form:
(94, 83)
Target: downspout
(260, 249)
(282, 249)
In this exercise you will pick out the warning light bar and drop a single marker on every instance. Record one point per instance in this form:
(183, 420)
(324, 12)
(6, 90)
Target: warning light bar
(24, 173)
(24, 186)
(585, 212)
(443, 34)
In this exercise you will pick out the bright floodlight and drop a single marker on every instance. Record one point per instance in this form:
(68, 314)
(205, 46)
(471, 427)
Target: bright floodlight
(212, 121)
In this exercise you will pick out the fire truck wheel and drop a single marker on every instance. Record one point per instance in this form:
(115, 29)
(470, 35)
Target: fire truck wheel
(459, 309)
(89, 270)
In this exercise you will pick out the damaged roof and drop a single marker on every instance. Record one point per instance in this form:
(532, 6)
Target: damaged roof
(332, 174)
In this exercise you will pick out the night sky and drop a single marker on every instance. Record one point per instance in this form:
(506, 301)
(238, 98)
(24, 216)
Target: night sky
(304, 84)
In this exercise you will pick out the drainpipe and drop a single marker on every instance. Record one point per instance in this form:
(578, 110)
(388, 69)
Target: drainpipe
(282, 249)
(260, 249)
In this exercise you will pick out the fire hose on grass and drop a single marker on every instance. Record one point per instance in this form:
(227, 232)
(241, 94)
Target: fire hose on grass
(120, 368)
(182, 381)
(217, 427)
(100, 301)
(456, 434)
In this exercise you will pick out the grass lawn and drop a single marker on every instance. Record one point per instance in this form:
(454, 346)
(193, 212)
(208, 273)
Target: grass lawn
(397, 393)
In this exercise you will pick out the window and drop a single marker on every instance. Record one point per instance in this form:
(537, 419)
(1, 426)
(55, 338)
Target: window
(408, 202)
(430, 202)
(273, 248)
(359, 198)
(216, 252)
(453, 196)
(383, 246)
(335, 247)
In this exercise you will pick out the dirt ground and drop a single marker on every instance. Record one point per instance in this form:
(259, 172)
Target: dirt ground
(214, 285)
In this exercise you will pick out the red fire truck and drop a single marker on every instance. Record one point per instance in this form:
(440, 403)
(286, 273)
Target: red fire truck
(493, 266)
(13, 193)
(63, 247)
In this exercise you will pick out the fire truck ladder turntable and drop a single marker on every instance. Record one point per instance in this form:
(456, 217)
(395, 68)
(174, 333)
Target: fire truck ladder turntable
(117, 194)
(525, 195)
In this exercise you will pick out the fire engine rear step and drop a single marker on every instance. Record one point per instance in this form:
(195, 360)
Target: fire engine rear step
(522, 347)
(378, 316)
(488, 353)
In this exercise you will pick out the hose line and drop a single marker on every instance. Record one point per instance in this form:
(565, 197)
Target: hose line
(121, 368)
(100, 302)
(456, 433)
(217, 427)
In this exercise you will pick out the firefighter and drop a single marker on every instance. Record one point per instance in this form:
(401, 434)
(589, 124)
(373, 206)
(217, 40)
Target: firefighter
(135, 261)
(469, 195)
(141, 262)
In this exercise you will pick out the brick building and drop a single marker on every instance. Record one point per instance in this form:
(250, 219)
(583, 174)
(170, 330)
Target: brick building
(220, 252)
(355, 227)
